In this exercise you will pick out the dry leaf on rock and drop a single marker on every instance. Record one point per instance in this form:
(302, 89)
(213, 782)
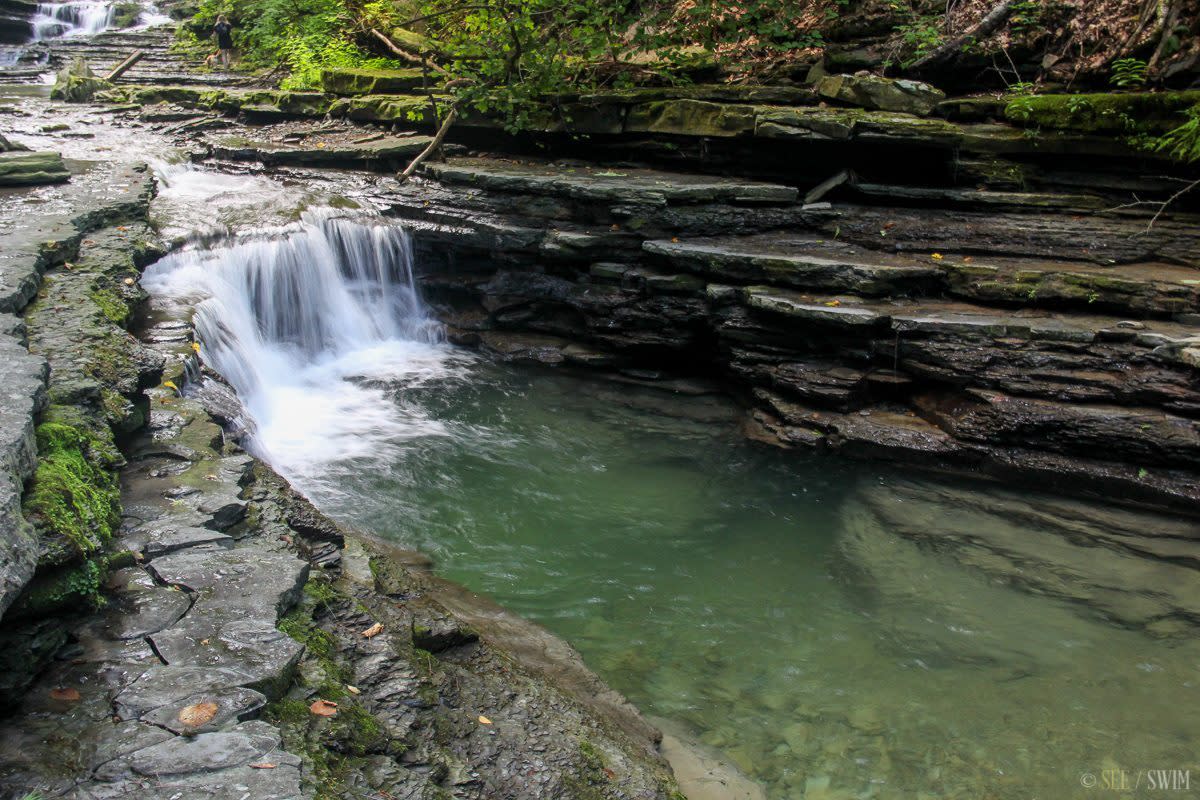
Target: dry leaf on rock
(323, 708)
(264, 765)
(197, 714)
(64, 694)
(484, 720)
(373, 631)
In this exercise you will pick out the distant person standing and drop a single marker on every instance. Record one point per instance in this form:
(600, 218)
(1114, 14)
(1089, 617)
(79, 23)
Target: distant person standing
(224, 32)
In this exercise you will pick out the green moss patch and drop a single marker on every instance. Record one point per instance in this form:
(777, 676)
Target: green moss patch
(1103, 113)
(73, 495)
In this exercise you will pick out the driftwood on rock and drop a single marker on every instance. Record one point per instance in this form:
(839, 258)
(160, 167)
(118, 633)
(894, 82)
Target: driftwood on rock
(433, 146)
(125, 66)
(990, 23)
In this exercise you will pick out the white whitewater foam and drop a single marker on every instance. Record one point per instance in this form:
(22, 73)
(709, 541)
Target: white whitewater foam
(315, 326)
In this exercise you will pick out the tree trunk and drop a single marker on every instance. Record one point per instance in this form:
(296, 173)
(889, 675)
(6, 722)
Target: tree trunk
(990, 23)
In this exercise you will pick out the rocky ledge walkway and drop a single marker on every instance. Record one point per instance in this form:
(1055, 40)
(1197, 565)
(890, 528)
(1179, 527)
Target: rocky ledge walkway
(181, 624)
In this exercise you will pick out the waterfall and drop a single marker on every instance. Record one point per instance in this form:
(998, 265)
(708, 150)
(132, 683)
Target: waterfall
(314, 326)
(78, 17)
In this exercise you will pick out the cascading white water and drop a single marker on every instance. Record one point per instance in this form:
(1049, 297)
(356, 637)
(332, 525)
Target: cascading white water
(74, 18)
(309, 325)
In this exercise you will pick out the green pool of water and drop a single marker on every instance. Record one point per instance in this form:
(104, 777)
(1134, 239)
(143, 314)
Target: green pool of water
(753, 596)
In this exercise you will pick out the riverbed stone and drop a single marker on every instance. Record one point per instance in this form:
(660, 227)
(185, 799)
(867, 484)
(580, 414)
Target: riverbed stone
(269, 581)
(233, 703)
(240, 746)
(160, 685)
(140, 612)
(29, 168)
(162, 542)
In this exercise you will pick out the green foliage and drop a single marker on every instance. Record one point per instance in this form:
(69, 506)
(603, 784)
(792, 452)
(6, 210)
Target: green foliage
(73, 494)
(1021, 88)
(1026, 15)
(920, 31)
(1181, 143)
(304, 36)
(1128, 73)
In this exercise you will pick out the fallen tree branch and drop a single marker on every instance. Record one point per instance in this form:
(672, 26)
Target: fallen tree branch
(125, 65)
(438, 138)
(1162, 204)
(990, 23)
(407, 56)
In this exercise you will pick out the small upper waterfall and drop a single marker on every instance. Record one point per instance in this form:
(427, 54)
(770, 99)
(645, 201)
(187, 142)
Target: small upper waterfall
(312, 325)
(77, 17)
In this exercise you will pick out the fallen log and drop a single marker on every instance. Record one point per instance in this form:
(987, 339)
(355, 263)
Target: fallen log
(990, 23)
(124, 66)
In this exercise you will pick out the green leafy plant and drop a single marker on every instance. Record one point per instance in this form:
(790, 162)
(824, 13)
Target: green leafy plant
(1021, 88)
(1181, 143)
(1128, 73)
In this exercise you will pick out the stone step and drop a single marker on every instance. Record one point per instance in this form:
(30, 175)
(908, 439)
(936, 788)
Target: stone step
(324, 150)
(922, 316)
(592, 183)
(808, 261)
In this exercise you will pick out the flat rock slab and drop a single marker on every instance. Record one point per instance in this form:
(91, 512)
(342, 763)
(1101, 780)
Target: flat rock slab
(29, 169)
(140, 612)
(590, 183)
(915, 318)
(273, 153)
(164, 543)
(241, 578)
(222, 638)
(162, 685)
(226, 704)
(798, 261)
(245, 761)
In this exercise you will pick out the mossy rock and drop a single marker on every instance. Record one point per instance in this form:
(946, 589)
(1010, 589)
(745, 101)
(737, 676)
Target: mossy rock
(353, 82)
(406, 109)
(126, 15)
(19, 168)
(691, 118)
(1103, 113)
(74, 497)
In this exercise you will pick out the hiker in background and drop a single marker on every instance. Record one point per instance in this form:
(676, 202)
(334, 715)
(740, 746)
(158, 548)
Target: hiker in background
(224, 32)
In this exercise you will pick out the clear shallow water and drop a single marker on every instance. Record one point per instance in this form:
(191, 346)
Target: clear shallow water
(734, 589)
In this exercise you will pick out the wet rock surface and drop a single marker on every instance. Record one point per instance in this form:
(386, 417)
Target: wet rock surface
(1058, 364)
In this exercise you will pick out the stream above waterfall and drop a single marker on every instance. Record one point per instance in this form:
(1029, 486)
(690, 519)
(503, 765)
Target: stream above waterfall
(835, 630)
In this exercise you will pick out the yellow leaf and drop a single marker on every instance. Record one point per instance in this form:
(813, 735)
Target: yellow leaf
(373, 631)
(129, 281)
(937, 256)
(353, 689)
(196, 347)
(484, 720)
